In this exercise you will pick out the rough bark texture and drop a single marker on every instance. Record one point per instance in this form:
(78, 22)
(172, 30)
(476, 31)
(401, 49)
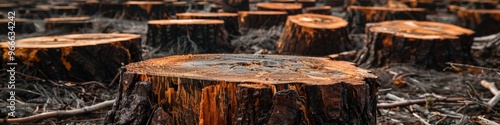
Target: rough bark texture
(68, 25)
(314, 35)
(249, 89)
(325, 10)
(145, 10)
(426, 44)
(234, 6)
(290, 8)
(170, 37)
(262, 19)
(77, 57)
(483, 22)
(230, 20)
(358, 16)
(132, 105)
(63, 11)
(21, 26)
(305, 3)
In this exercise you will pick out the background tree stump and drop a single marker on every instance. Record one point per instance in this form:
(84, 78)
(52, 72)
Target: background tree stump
(483, 22)
(145, 10)
(262, 19)
(234, 6)
(358, 16)
(426, 44)
(305, 3)
(63, 11)
(77, 57)
(177, 7)
(90, 7)
(185, 36)
(67, 25)
(430, 5)
(290, 8)
(230, 20)
(314, 35)
(6, 7)
(475, 4)
(39, 12)
(325, 10)
(237, 89)
(22, 26)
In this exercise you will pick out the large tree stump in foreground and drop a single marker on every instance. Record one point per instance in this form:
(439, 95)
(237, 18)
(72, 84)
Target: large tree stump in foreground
(145, 10)
(226, 89)
(21, 26)
(290, 8)
(67, 25)
(483, 22)
(262, 19)
(358, 16)
(77, 57)
(230, 20)
(426, 44)
(314, 35)
(184, 36)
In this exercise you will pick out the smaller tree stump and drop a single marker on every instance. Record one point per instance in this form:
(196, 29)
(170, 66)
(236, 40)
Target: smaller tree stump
(68, 25)
(262, 19)
(233, 6)
(6, 7)
(63, 11)
(22, 26)
(177, 7)
(314, 35)
(305, 3)
(200, 5)
(77, 57)
(230, 20)
(39, 12)
(186, 36)
(426, 44)
(483, 22)
(429, 5)
(358, 16)
(290, 8)
(145, 10)
(325, 10)
(215, 8)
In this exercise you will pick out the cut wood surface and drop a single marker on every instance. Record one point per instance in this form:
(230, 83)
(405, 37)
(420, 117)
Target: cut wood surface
(77, 57)
(230, 20)
(290, 8)
(305, 3)
(249, 89)
(68, 25)
(184, 36)
(314, 35)
(426, 44)
(21, 26)
(145, 10)
(261, 19)
(483, 22)
(325, 10)
(358, 16)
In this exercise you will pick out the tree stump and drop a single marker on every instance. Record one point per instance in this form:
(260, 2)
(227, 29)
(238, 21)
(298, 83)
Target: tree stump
(6, 7)
(68, 25)
(262, 19)
(22, 26)
(63, 11)
(314, 35)
(475, 4)
(233, 6)
(39, 12)
(483, 22)
(290, 8)
(186, 36)
(430, 5)
(325, 10)
(145, 10)
(77, 57)
(90, 7)
(426, 44)
(230, 20)
(200, 5)
(213, 89)
(177, 7)
(111, 9)
(358, 16)
(215, 8)
(305, 3)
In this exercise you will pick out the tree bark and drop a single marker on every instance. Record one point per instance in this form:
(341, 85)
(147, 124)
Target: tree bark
(77, 57)
(483, 22)
(325, 10)
(262, 19)
(230, 20)
(305, 3)
(177, 7)
(21, 26)
(358, 16)
(421, 43)
(429, 5)
(186, 36)
(233, 6)
(145, 10)
(68, 25)
(314, 35)
(248, 89)
(290, 8)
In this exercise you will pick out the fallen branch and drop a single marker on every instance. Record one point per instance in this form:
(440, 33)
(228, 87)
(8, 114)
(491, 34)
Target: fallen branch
(63, 113)
(483, 121)
(493, 89)
(418, 101)
(421, 119)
